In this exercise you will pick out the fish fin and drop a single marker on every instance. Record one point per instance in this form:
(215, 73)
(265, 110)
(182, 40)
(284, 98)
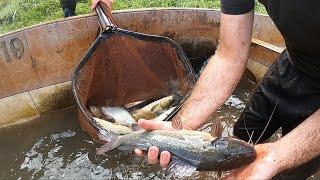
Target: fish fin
(107, 137)
(136, 127)
(178, 168)
(125, 148)
(216, 128)
(110, 140)
(103, 149)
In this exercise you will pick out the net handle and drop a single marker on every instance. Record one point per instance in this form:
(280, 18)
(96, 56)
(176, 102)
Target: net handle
(104, 21)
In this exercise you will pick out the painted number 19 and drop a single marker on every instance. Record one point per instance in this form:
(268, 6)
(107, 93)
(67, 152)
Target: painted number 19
(16, 48)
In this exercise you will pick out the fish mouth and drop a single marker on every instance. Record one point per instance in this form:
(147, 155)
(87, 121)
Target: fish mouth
(250, 155)
(237, 152)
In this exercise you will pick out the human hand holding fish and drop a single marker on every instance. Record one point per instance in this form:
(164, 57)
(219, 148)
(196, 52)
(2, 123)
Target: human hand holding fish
(190, 150)
(265, 166)
(165, 156)
(153, 152)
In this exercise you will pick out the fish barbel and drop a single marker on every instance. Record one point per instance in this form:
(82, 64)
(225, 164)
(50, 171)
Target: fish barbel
(191, 150)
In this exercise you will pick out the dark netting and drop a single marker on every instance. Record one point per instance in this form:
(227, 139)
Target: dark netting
(123, 67)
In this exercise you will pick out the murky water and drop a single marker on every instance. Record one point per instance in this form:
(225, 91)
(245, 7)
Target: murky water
(55, 146)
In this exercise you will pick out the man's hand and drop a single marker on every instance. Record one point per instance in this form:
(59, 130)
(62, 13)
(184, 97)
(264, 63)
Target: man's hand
(153, 152)
(106, 2)
(264, 167)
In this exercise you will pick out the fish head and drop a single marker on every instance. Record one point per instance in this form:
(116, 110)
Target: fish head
(229, 153)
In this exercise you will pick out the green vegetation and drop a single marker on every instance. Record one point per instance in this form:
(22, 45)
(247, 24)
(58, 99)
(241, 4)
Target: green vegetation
(15, 14)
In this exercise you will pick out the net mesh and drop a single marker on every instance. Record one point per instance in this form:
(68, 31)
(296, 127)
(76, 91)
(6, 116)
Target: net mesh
(124, 68)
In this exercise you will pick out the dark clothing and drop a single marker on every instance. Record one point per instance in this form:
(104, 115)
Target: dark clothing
(293, 80)
(235, 7)
(68, 7)
(298, 96)
(298, 22)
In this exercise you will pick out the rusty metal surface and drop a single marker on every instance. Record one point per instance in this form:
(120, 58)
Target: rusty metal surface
(28, 105)
(15, 109)
(196, 30)
(258, 70)
(55, 49)
(263, 54)
(46, 54)
(93, 27)
(17, 72)
(181, 25)
(265, 30)
(54, 97)
(42, 56)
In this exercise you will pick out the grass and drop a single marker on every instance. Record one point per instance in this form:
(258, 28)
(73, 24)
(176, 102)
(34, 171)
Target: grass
(15, 14)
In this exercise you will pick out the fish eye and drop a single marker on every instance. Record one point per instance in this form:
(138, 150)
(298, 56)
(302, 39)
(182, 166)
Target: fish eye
(220, 143)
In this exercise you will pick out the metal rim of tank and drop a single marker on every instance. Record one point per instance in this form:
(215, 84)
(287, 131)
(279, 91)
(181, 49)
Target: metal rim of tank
(263, 51)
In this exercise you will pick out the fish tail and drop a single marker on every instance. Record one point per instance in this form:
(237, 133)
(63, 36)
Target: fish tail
(112, 142)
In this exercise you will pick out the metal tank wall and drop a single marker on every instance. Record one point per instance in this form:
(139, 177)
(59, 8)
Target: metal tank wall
(36, 63)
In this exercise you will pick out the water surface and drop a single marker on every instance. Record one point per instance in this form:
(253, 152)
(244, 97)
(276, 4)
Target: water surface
(55, 146)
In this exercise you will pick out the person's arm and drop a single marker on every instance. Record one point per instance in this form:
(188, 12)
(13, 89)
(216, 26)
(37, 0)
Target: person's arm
(296, 148)
(222, 73)
(215, 84)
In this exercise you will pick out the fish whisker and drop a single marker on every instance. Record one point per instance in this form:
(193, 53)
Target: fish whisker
(250, 138)
(245, 126)
(265, 128)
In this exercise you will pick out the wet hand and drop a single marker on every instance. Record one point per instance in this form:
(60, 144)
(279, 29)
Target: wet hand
(106, 2)
(265, 165)
(153, 152)
(153, 156)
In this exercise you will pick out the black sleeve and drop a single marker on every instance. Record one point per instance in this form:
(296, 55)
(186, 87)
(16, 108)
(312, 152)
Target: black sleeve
(234, 7)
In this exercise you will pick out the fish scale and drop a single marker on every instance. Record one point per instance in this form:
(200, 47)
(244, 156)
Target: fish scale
(191, 150)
